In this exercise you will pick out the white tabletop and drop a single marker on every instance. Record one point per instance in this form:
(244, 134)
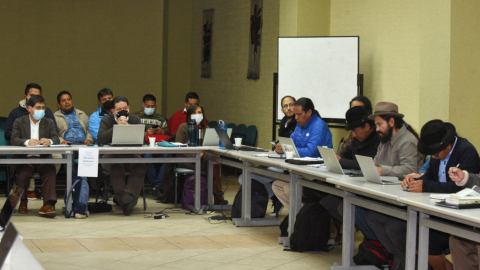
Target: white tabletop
(360, 185)
(425, 203)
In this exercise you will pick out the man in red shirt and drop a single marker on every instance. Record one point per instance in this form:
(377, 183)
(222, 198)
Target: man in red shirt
(181, 116)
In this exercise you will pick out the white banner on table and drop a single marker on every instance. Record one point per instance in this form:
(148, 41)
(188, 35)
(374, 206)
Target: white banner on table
(88, 162)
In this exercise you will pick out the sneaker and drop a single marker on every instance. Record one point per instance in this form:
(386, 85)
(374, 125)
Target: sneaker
(47, 211)
(31, 195)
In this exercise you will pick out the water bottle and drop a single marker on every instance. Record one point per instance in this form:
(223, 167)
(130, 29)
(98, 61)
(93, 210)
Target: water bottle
(200, 136)
(223, 126)
(192, 133)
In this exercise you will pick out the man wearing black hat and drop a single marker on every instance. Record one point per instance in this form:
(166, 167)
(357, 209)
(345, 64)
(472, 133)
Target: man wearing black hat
(365, 140)
(439, 139)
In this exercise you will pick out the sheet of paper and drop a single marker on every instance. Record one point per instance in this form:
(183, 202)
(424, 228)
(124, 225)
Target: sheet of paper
(88, 162)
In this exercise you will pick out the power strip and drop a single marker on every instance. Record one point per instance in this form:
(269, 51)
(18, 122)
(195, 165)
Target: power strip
(218, 218)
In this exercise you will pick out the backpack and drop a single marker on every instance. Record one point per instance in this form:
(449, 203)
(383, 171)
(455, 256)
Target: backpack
(259, 201)
(79, 193)
(373, 252)
(311, 229)
(188, 197)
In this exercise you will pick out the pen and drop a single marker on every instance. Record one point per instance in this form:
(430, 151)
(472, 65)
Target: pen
(457, 165)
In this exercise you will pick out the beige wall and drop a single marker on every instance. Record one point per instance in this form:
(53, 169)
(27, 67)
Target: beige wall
(80, 46)
(227, 95)
(465, 71)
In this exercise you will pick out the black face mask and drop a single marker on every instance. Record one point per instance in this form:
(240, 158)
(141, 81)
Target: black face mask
(122, 113)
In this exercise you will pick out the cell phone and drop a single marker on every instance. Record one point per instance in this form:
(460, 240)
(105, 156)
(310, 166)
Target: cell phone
(273, 143)
(155, 126)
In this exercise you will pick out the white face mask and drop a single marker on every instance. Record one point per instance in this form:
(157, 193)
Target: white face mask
(197, 117)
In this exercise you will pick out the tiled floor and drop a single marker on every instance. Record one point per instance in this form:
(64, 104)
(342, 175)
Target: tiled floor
(114, 241)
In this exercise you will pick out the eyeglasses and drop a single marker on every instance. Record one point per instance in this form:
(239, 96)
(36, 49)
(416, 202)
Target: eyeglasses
(287, 105)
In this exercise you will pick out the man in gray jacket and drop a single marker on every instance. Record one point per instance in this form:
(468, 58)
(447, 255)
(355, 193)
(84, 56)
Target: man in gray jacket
(32, 130)
(126, 193)
(72, 123)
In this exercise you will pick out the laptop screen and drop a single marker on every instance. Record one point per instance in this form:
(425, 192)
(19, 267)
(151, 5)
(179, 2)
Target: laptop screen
(10, 205)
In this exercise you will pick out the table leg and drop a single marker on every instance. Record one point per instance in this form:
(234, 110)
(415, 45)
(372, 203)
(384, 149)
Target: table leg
(210, 182)
(293, 203)
(68, 206)
(247, 194)
(198, 175)
(348, 231)
(423, 242)
(411, 239)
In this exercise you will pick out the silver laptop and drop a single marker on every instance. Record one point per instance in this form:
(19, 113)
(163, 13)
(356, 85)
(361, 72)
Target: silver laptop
(211, 137)
(288, 145)
(371, 174)
(128, 135)
(333, 165)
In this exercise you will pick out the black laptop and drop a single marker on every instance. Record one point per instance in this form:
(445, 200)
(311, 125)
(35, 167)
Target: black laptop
(10, 206)
(222, 134)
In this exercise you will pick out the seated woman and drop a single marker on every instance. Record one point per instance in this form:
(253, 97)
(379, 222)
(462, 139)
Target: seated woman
(197, 113)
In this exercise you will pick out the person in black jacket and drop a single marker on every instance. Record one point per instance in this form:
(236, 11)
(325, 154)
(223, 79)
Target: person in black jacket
(438, 139)
(288, 123)
(365, 139)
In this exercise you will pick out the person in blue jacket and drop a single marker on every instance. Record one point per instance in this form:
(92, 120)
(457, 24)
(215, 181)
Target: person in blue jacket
(311, 130)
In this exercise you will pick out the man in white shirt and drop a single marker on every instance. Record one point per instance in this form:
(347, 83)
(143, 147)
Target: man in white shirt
(33, 130)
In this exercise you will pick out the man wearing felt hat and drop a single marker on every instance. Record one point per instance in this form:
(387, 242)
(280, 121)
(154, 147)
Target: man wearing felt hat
(439, 139)
(365, 140)
(397, 152)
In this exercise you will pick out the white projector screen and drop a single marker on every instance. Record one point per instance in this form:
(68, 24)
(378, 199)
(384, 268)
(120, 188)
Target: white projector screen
(323, 69)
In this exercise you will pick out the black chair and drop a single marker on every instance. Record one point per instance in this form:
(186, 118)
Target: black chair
(213, 124)
(251, 138)
(239, 131)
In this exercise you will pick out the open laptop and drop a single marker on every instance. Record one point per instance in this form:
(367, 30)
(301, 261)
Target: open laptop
(222, 134)
(288, 145)
(6, 244)
(371, 174)
(10, 206)
(333, 165)
(211, 137)
(128, 135)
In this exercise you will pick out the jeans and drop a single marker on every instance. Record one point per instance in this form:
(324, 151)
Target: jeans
(153, 177)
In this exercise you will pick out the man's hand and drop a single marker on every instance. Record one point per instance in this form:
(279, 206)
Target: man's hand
(409, 179)
(87, 142)
(66, 142)
(379, 170)
(150, 131)
(33, 142)
(416, 186)
(45, 142)
(122, 120)
(339, 157)
(456, 174)
(278, 148)
(159, 131)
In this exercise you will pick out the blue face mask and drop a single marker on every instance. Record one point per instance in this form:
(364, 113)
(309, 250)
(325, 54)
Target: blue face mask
(38, 114)
(148, 111)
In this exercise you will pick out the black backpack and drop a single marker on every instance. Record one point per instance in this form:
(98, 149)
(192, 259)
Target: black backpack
(373, 252)
(259, 201)
(311, 230)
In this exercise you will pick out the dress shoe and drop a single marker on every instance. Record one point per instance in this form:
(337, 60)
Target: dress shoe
(22, 209)
(125, 199)
(47, 211)
(220, 200)
(31, 195)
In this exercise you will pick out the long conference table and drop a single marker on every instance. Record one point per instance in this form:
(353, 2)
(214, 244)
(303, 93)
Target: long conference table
(414, 208)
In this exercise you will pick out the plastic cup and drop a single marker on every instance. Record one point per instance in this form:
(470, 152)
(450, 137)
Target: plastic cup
(289, 155)
(238, 142)
(152, 141)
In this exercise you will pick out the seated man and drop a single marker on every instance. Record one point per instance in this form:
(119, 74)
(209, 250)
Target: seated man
(126, 193)
(311, 131)
(156, 126)
(31, 130)
(103, 96)
(439, 139)
(181, 116)
(465, 253)
(396, 156)
(72, 123)
(30, 90)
